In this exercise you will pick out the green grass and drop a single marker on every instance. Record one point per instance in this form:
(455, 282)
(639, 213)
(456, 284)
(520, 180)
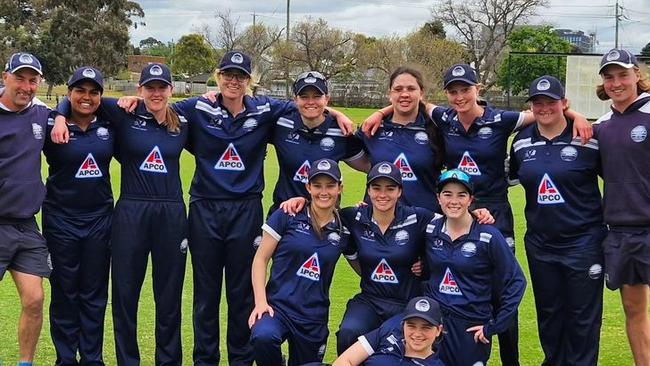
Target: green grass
(614, 349)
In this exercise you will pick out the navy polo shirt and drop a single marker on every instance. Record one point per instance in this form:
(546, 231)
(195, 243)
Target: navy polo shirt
(386, 259)
(297, 146)
(407, 146)
(625, 152)
(229, 151)
(481, 150)
(385, 346)
(79, 183)
(560, 178)
(303, 265)
(465, 273)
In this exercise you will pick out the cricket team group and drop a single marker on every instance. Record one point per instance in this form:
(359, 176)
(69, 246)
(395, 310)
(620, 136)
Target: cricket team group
(432, 241)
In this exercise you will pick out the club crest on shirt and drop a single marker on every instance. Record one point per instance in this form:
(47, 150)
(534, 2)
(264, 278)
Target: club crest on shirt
(310, 269)
(485, 133)
(302, 174)
(385, 135)
(368, 235)
(401, 237)
(402, 163)
(639, 133)
(230, 160)
(327, 144)
(383, 273)
(468, 165)
(547, 192)
(421, 138)
(448, 285)
(89, 168)
(154, 162)
(102, 133)
(568, 153)
(293, 137)
(37, 130)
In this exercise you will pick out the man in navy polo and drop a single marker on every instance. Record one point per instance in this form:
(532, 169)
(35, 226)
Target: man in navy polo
(22, 248)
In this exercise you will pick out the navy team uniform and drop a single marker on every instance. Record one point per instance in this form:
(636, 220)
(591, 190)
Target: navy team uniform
(463, 276)
(387, 282)
(296, 146)
(385, 346)
(77, 224)
(563, 240)
(225, 216)
(408, 148)
(625, 153)
(298, 289)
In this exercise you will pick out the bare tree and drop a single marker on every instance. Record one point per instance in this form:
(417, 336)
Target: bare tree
(483, 26)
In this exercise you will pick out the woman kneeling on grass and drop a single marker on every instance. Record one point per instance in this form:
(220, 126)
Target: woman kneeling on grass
(294, 304)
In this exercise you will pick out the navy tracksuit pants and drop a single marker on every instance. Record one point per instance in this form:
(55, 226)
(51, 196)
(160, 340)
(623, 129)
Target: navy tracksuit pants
(568, 288)
(80, 253)
(223, 234)
(458, 347)
(139, 228)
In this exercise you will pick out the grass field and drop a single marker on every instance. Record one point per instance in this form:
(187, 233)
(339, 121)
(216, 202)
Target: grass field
(614, 349)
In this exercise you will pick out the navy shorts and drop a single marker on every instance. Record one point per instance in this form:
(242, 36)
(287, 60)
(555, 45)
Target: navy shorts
(23, 249)
(627, 257)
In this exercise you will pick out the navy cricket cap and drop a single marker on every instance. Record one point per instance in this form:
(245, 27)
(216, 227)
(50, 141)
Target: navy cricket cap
(236, 60)
(23, 60)
(155, 71)
(87, 73)
(620, 57)
(546, 85)
(460, 72)
(425, 308)
(386, 170)
(310, 78)
(326, 167)
(455, 176)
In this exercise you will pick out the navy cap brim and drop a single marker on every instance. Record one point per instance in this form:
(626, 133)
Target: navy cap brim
(13, 71)
(328, 174)
(383, 176)
(236, 67)
(310, 85)
(155, 78)
(545, 94)
(619, 63)
(464, 80)
(421, 316)
(86, 79)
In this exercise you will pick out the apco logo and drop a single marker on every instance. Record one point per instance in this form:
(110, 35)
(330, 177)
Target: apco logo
(89, 168)
(310, 269)
(383, 273)
(547, 193)
(154, 162)
(448, 285)
(302, 174)
(230, 160)
(468, 165)
(405, 168)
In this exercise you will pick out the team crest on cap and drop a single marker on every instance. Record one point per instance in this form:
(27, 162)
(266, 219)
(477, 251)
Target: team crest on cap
(25, 58)
(468, 165)
(237, 58)
(383, 273)
(102, 133)
(154, 162)
(421, 138)
(327, 144)
(230, 160)
(37, 130)
(458, 71)
(448, 285)
(324, 165)
(310, 269)
(310, 80)
(639, 134)
(302, 174)
(89, 168)
(543, 85)
(156, 70)
(405, 168)
(422, 305)
(89, 73)
(569, 153)
(613, 55)
(384, 169)
(547, 193)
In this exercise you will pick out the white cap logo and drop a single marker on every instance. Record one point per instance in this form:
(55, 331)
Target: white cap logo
(422, 305)
(25, 58)
(324, 165)
(384, 169)
(543, 85)
(458, 71)
(613, 55)
(237, 58)
(156, 70)
(310, 80)
(89, 73)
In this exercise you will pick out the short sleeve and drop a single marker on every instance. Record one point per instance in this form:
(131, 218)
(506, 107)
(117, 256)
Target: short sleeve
(512, 120)
(276, 225)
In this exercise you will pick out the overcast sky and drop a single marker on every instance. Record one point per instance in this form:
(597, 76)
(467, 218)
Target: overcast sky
(170, 19)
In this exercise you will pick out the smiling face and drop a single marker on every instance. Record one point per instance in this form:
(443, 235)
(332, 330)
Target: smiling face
(20, 88)
(311, 103)
(232, 83)
(548, 111)
(454, 200)
(620, 84)
(461, 96)
(84, 98)
(155, 94)
(384, 194)
(324, 191)
(419, 335)
(405, 94)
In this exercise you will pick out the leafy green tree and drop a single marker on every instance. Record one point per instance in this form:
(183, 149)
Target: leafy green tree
(192, 56)
(646, 50)
(526, 68)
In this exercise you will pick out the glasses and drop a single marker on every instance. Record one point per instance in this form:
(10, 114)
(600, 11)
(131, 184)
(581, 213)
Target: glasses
(313, 74)
(230, 76)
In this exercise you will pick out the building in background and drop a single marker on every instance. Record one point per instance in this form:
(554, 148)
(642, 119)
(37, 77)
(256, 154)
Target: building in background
(584, 42)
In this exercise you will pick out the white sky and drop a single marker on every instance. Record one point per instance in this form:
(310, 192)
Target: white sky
(170, 19)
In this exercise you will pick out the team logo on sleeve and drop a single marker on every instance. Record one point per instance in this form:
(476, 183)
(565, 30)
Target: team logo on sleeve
(89, 168)
(310, 269)
(230, 160)
(383, 273)
(448, 285)
(547, 193)
(302, 174)
(154, 162)
(405, 168)
(468, 165)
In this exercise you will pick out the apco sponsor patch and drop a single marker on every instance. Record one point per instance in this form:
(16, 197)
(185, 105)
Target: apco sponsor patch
(154, 162)
(310, 269)
(448, 285)
(230, 160)
(302, 174)
(547, 193)
(89, 168)
(468, 165)
(405, 168)
(383, 273)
